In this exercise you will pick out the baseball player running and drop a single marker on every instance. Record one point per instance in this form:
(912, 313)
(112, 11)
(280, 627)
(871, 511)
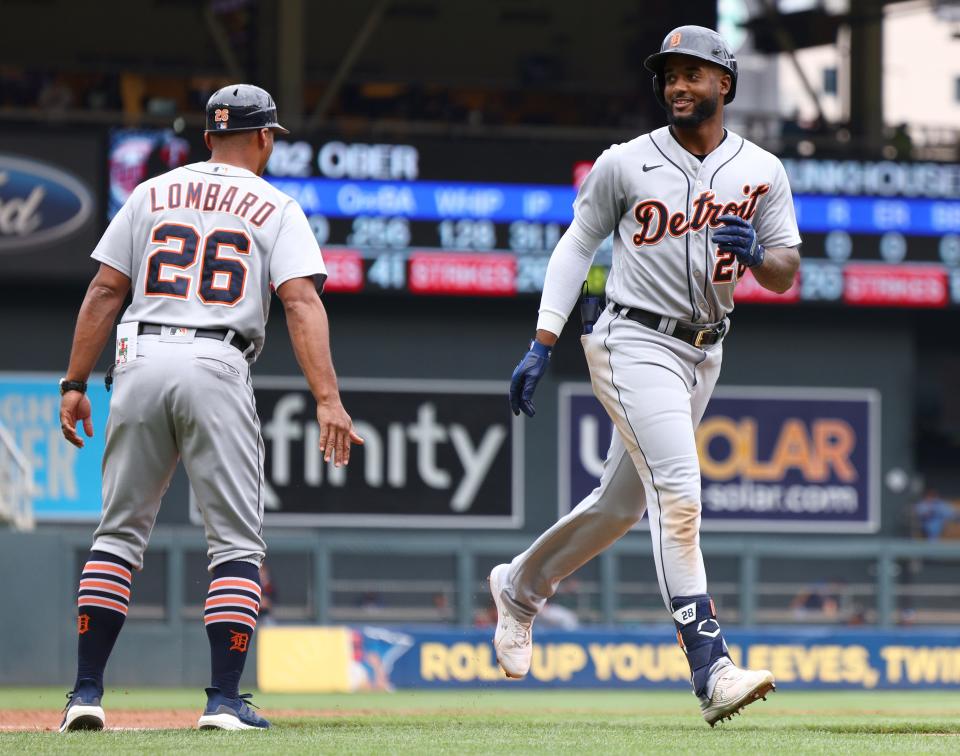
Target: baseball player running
(201, 248)
(691, 207)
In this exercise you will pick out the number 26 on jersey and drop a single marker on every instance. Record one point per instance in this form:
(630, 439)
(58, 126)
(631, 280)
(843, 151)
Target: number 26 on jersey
(221, 280)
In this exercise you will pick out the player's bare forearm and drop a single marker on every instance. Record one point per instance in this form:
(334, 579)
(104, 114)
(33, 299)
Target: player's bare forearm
(102, 302)
(310, 335)
(779, 268)
(548, 338)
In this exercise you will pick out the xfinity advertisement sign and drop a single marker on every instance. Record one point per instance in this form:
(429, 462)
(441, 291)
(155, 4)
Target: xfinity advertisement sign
(436, 454)
(771, 459)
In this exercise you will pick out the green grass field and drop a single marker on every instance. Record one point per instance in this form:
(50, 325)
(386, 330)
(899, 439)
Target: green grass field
(519, 722)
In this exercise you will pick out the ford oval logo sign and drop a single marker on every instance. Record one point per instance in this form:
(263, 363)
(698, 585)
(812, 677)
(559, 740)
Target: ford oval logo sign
(39, 203)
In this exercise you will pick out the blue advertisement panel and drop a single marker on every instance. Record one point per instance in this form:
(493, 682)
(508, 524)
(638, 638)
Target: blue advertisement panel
(838, 659)
(771, 459)
(66, 479)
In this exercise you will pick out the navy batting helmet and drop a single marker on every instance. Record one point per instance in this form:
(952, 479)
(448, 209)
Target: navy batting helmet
(700, 42)
(242, 107)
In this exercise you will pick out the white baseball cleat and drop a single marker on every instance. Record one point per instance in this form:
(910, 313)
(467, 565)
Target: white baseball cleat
(734, 689)
(513, 639)
(83, 710)
(224, 713)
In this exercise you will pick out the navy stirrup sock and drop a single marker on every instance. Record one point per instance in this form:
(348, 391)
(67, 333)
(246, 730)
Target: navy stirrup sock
(102, 601)
(230, 615)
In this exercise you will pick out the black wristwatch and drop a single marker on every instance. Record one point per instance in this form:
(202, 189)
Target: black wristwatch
(66, 386)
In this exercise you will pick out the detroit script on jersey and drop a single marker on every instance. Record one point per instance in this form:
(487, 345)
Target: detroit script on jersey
(202, 245)
(661, 203)
(656, 220)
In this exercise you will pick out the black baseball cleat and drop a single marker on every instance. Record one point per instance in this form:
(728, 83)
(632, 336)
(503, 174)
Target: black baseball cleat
(224, 713)
(83, 710)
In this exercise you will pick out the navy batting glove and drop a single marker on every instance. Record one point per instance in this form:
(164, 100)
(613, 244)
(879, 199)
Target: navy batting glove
(526, 376)
(738, 236)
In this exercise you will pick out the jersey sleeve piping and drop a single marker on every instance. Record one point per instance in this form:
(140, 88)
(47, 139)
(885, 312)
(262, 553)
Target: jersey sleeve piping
(305, 273)
(707, 242)
(273, 247)
(101, 258)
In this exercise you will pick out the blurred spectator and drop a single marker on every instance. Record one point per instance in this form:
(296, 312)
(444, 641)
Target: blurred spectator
(829, 601)
(55, 94)
(370, 601)
(554, 616)
(103, 93)
(441, 603)
(790, 128)
(857, 614)
(161, 106)
(558, 617)
(484, 616)
(17, 87)
(932, 514)
(901, 142)
(907, 616)
(267, 596)
(821, 600)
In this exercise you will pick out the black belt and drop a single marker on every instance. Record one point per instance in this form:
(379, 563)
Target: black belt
(203, 333)
(698, 337)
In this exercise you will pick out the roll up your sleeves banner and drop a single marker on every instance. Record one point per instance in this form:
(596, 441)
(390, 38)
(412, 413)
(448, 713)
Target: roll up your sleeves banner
(341, 659)
(771, 459)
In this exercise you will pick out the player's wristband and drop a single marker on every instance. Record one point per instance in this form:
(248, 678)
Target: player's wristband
(66, 386)
(541, 350)
(757, 256)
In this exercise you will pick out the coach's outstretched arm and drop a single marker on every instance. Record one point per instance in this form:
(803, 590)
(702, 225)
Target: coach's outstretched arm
(99, 310)
(310, 335)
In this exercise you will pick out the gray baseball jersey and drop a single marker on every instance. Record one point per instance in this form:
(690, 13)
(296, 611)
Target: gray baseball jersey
(661, 202)
(202, 245)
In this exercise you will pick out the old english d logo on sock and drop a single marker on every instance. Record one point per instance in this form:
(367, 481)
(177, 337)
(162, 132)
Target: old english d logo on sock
(239, 641)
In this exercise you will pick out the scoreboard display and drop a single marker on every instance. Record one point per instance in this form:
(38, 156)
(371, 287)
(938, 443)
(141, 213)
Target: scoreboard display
(481, 220)
(877, 233)
(479, 217)
(450, 218)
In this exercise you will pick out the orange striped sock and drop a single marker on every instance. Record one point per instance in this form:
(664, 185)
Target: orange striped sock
(102, 601)
(230, 616)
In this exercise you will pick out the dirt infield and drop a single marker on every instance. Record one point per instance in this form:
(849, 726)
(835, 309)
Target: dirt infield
(43, 720)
